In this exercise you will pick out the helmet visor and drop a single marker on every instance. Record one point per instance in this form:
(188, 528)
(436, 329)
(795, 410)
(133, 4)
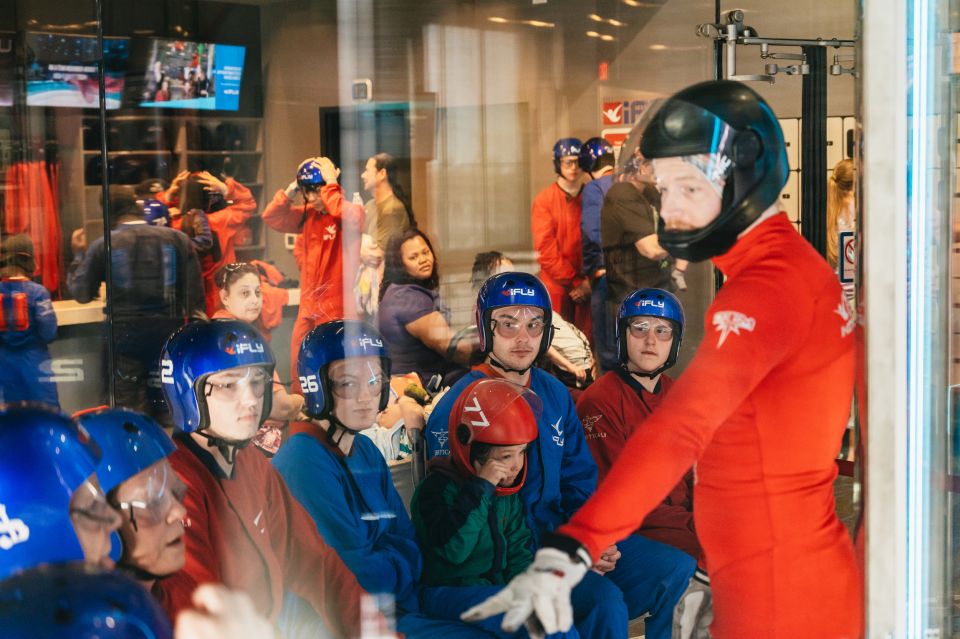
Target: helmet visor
(490, 398)
(148, 497)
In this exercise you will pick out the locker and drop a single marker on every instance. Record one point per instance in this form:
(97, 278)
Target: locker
(835, 141)
(790, 197)
(849, 135)
(791, 137)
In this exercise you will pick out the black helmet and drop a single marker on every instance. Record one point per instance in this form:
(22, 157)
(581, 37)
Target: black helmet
(729, 121)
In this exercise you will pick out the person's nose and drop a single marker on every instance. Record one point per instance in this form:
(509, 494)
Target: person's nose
(177, 512)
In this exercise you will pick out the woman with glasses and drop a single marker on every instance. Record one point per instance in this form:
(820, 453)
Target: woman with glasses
(241, 295)
(247, 531)
(412, 318)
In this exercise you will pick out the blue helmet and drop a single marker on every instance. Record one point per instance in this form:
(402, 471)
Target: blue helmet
(564, 147)
(329, 342)
(199, 350)
(650, 302)
(156, 213)
(44, 457)
(73, 601)
(130, 443)
(309, 177)
(512, 289)
(596, 153)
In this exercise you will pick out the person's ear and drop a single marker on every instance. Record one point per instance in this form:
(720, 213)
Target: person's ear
(223, 296)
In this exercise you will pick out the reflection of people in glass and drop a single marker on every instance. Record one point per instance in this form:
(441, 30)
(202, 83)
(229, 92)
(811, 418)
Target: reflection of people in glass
(27, 324)
(156, 287)
(163, 93)
(841, 215)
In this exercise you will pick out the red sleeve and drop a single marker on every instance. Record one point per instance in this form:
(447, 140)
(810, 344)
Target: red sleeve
(311, 568)
(543, 226)
(758, 321)
(351, 215)
(175, 591)
(274, 299)
(280, 215)
(604, 430)
(243, 206)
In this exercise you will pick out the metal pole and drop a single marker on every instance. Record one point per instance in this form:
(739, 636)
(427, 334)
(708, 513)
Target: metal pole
(813, 144)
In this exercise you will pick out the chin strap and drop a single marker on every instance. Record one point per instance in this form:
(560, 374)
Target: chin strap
(227, 447)
(139, 573)
(507, 369)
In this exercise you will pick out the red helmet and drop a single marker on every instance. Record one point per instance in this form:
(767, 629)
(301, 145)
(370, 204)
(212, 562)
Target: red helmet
(496, 412)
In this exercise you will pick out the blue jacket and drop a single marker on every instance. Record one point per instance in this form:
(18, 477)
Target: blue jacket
(28, 316)
(364, 520)
(561, 473)
(592, 202)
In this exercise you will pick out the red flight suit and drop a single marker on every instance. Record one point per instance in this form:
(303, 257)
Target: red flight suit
(761, 409)
(248, 533)
(331, 254)
(610, 410)
(555, 224)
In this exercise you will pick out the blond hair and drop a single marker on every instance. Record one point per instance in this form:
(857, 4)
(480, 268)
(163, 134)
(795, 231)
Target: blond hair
(839, 190)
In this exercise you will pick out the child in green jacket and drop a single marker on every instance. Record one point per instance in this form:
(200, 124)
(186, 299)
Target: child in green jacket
(469, 519)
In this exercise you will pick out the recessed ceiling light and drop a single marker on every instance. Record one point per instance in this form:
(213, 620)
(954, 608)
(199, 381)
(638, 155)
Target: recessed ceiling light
(606, 37)
(595, 17)
(498, 19)
(616, 23)
(658, 47)
(539, 23)
(593, 34)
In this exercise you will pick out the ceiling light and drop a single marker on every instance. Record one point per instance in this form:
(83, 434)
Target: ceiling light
(606, 37)
(595, 17)
(616, 23)
(658, 47)
(498, 19)
(539, 23)
(593, 34)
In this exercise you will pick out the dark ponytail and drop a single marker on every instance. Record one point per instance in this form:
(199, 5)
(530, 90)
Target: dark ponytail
(385, 162)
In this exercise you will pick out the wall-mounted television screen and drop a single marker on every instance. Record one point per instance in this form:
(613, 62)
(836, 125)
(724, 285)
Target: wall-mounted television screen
(62, 70)
(193, 75)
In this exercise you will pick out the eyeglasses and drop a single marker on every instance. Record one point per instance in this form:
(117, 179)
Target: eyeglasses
(154, 511)
(349, 388)
(95, 514)
(662, 332)
(508, 329)
(234, 389)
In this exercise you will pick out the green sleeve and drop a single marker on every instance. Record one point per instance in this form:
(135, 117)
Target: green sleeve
(518, 539)
(450, 517)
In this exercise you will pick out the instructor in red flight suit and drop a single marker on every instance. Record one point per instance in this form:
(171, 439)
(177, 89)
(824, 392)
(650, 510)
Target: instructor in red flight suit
(331, 231)
(760, 409)
(555, 223)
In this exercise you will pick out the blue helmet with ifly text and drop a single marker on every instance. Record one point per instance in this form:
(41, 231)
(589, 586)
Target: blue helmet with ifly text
(512, 289)
(595, 154)
(330, 342)
(130, 442)
(73, 601)
(44, 458)
(200, 349)
(309, 177)
(565, 147)
(650, 302)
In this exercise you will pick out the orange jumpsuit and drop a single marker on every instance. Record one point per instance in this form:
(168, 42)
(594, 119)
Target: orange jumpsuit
(761, 409)
(331, 241)
(555, 224)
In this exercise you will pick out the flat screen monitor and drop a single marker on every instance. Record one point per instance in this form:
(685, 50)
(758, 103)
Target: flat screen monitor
(62, 70)
(193, 75)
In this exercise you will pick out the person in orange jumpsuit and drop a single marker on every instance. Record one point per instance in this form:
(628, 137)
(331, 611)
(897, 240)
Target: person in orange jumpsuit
(227, 206)
(760, 409)
(331, 229)
(555, 224)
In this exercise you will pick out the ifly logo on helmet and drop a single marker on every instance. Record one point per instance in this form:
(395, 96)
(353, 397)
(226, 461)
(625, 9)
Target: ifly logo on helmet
(371, 342)
(521, 292)
(244, 347)
(648, 302)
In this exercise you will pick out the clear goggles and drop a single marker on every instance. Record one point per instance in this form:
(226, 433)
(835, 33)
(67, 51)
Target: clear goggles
(89, 509)
(640, 329)
(233, 384)
(528, 319)
(148, 497)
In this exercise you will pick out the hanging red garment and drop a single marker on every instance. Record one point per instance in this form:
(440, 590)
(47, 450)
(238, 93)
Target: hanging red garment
(32, 206)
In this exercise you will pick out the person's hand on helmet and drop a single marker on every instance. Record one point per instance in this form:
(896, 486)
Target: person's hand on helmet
(329, 172)
(212, 183)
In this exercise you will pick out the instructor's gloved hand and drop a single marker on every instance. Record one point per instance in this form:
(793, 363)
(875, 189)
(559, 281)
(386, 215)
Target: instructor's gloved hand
(694, 612)
(539, 597)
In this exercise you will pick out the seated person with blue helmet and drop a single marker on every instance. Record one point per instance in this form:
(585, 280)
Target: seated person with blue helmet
(52, 509)
(642, 576)
(343, 480)
(141, 485)
(247, 531)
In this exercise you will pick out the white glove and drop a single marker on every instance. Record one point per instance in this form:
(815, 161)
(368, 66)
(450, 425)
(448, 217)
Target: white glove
(538, 597)
(694, 612)
(220, 612)
(292, 189)
(678, 279)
